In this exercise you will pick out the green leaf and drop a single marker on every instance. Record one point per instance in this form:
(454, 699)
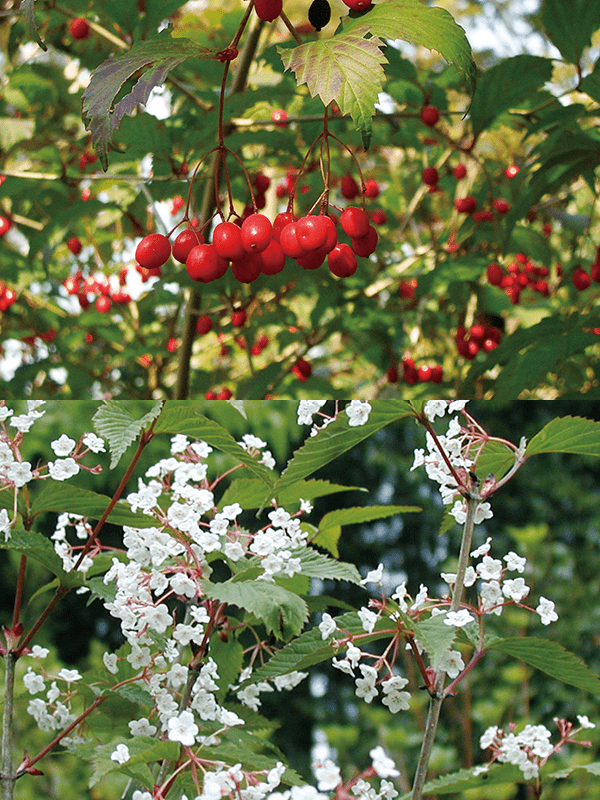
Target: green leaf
(39, 549)
(61, 497)
(567, 435)
(309, 648)
(336, 439)
(569, 25)
(142, 749)
(505, 86)
(345, 69)
(591, 83)
(433, 28)
(148, 64)
(250, 492)
(330, 527)
(592, 769)
(495, 458)
(463, 780)
(27, 6)
(319, 565)
(115, 423)
(283, 613)
(436, 637)
(551, 658)
(185, 417)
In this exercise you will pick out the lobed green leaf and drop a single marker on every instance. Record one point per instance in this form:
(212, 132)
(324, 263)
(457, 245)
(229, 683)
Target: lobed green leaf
(38, 548)
(115, 423)
(567, 435)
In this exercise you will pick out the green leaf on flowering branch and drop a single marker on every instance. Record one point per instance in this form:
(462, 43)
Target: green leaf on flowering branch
(330, 527)
(229, 656)
(142, 750)
(283, 613)
(551, 658)
(567, 435)
(250, 493)
(591, 83)
(27, 7)
(186, 418)
(319, 565)
(592, 769)
(569, 25)
(433, 28)
(345, 69)
(435, 637)
(63, 497)
(39, 549)
(505, 86)
(496, 458)
(115, 423)
(148, 65)
(463, 780)
(336, 439)
(310, 648)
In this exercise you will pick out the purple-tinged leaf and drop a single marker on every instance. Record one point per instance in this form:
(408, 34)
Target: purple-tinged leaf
(151, 61)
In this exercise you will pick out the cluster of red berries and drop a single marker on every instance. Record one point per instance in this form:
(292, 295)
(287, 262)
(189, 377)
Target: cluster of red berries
(257, 246)
(106, 296)
(478, 337)
(269, 10)
(582, 279)
(426, 373)
(7, 296)
(520, 274)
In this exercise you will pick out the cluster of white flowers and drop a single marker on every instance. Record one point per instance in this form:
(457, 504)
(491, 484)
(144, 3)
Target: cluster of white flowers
(54, 712)
(356, 410)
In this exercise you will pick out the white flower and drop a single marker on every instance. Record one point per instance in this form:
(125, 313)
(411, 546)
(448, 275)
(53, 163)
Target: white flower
(120, 754)
(368, 619)
(19, 472)
(395, 699)
(33, 683)
(327, 626)
(374, 576)
(452, 663)
(515, 589)
(483, 549)
(183, 729)
(458, 618)
(69, 675)
(546, 611)
(584, 721)
(233, 550)
(306, 409)
(456, 405)
(515, 562)
(358, 413)
(179, 443)
(327, 774)
(95, 443)
(5, 523)
(141, 795)
(63, 469)
(490, 569)
(435, 408)
(365, 686)
(232, 511)
(483, 511)
(39, 652)
(141, 727)
(488, 737)
(63, 446)
(383, 764)
(306, 506)
(23, 422)
(5, 413)
(110, 662)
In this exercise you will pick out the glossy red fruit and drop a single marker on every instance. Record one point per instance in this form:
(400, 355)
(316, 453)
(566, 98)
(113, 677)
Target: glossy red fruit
(371, 188)
(342, 261)
(411, 376)
(437, 374)
(511, 171)
(302, 369)
(257, 232)
(5, 225)
(349, 187)
(466, 205)
(79, 28)
(289, 241)
(203, 324)
(103, 304)
(153, 251)
(581, 279)
(210, 395)
(501, 205)
(184, 243)
(355, 222)
(430, 115)
(204, 265)
(366, 245)
(595, 271)
(357, 5)
(431, 176)
(248, 268)
(378, 217)
(280, 221)
(238, 318)
(332, 238)
(495, 273)
(311, 232)
(311, 259)
(224, 394)
(227, 239)
(272, 260)
(268, 10)
(459, 171)
(74, 245)
(424, 373)
(279, 116)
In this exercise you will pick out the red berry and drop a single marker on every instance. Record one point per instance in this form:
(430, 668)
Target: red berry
(281, 220)
(74, 245)
(311, 231)
(238, 318)
(431, 176)
(342, 261)
(311, 259)
(378, 217)
(459, 171)
(478, 333)
(210, 395)
(302, 369)
(224, 394)
(172, 345)
(177, 204)
(430, 115)
(203, 324)
(248, 268)
(392, 375)
(437, 374)
(501, 206)
(261, 182)
(466, 205)
(407, 289)
(512, 171)
(424, 373)
(488, 344)
(272, 259)
(184, 243)
(289, 241)
(204, 265)
(366, 245)
(495, 274)
(279, 116)
(371, 188)
(153, 251)
(268, 10)
(103, 304)
(411, 375)
(581, 279)
(257, 232)
(5, 225)
(355, 222)
(349, 187)
(358, 5)
(595, 271)
(79, 28)
(227, 239)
